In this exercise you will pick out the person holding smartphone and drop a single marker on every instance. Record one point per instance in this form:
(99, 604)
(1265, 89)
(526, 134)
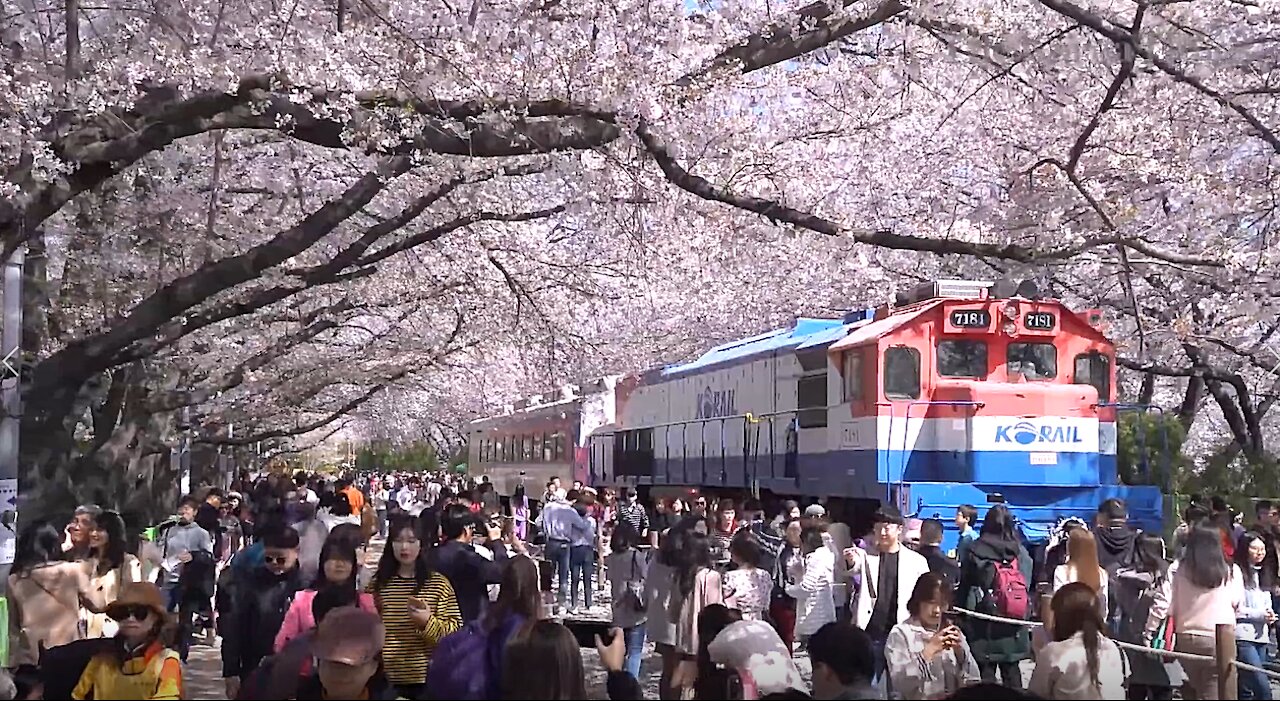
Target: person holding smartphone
(928, 656)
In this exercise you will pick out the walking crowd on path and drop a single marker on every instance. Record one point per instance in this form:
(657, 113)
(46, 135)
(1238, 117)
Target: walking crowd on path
(480, 597)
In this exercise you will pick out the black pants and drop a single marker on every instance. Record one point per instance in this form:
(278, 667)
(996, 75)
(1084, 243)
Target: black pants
(1010, 674)
(411, 691)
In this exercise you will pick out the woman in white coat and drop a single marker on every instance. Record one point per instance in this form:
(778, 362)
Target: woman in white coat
(813, 585)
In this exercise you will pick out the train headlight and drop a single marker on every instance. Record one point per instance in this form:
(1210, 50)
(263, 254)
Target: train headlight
(1009, 327)
(1011, 310)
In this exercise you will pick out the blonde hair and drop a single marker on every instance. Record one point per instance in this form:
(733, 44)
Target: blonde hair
(1082, 557)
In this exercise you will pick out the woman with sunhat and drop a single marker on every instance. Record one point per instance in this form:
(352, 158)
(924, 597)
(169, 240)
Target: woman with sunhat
(139, 665)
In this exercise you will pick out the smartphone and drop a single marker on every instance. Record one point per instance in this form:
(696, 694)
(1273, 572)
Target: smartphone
(586, 632)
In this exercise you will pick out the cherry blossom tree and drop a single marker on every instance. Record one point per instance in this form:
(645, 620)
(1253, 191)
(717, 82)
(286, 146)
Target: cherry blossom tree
(277, 213)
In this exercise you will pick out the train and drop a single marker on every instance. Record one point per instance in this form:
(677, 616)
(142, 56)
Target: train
(957, 392)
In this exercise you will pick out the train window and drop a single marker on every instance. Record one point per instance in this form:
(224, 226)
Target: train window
(853, 375)
(902, 373)
(1034, 361)
(962, 359)
(633, 453)
(1094, 368)
(811, 401)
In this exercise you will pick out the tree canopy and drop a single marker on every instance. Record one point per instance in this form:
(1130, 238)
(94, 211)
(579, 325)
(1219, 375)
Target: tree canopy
(297, 218)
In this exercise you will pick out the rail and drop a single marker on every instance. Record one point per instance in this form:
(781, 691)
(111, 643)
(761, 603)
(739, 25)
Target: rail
(1224, 638)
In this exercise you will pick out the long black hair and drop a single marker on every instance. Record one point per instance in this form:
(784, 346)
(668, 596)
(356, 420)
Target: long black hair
(1149, 552)
(1255, 576)
(693, 556)
(998, 524)
(337, 549)
(38, 544)
(112, 555)
(1202, 560)
(389, 566)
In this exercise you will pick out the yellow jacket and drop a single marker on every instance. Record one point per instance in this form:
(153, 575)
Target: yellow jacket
(154, 676)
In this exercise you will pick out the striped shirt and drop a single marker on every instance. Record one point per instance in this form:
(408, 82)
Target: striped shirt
(407, 652)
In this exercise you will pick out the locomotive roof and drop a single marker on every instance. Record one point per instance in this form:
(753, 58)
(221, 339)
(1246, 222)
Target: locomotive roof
(806, 333)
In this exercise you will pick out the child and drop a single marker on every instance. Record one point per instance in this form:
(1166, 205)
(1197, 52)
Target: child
(966, 514)
(138, 666)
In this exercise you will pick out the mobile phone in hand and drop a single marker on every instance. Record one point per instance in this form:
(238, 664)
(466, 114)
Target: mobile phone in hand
(586, 631)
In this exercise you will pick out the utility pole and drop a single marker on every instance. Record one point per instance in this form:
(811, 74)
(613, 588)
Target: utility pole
(11, 404)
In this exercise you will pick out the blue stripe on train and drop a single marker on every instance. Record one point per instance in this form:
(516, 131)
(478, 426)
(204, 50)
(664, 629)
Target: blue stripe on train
(863, 473)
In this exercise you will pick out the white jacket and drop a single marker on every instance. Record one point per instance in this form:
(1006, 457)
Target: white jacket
(815, 606)
(911, 565)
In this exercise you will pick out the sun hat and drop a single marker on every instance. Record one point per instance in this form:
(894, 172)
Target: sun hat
(138, 594)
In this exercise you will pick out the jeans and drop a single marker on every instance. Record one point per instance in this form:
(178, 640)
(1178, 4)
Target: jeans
(557, 554)
(582, 565)
(1252, 685)
(382, 522)
(635, 649)
(881, 681)
(1010, 673)
(187, 609)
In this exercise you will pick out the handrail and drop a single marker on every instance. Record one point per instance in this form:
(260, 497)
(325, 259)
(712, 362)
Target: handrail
(1173, 654)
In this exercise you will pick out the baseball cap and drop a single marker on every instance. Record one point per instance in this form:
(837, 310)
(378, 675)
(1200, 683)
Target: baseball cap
(815, 510)
(888, 513)
(350, 636)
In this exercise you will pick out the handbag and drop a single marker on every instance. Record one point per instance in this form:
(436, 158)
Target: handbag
(633, 595)
(1164, 635)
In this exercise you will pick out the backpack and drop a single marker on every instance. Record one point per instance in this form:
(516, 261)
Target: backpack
(467, 664)
(1009, 590)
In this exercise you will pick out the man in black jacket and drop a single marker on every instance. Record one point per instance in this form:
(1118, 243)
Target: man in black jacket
(468, 571)
(256, 605)
(931, 548)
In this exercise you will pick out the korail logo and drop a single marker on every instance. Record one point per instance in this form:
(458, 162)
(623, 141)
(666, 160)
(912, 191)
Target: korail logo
(711, 404)
(1027, 433)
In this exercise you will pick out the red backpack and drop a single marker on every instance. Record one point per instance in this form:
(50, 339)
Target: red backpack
(1009, 590)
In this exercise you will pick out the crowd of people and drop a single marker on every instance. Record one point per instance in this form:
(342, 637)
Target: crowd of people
(480, 597)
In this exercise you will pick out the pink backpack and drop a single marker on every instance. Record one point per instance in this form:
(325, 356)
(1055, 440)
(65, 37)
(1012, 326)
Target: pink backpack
(1009, 591)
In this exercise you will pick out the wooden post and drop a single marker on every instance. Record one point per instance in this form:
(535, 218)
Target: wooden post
(1224, 654)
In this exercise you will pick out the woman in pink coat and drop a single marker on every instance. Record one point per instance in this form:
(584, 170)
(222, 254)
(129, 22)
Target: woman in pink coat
(338, 568)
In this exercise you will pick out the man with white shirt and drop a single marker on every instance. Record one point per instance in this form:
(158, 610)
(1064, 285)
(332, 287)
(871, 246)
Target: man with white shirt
(889, 573)
(562, 524)
(408, 499)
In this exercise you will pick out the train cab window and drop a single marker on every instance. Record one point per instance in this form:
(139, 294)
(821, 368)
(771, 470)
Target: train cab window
(853, 375)
(902, 373)
(1094, 368)
(962, 359)
(1034, 361)
(811, 400)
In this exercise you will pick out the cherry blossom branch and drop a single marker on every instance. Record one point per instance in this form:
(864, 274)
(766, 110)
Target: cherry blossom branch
(1121, 36)
(777, 212)
(97, 147)
(808, 29)
(317, 424)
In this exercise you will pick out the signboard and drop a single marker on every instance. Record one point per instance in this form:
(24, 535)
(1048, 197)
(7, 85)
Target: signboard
(970, 318)
(1040, 321)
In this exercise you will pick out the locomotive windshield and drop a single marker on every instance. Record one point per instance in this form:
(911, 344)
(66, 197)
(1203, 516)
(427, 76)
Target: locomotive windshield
(1034, 361)
(962, 359)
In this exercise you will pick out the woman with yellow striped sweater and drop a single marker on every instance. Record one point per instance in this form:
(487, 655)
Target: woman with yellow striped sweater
(417, 606)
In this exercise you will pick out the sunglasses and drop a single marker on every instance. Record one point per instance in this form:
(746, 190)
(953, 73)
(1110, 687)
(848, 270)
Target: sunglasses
(137, 612)
(276, 560)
